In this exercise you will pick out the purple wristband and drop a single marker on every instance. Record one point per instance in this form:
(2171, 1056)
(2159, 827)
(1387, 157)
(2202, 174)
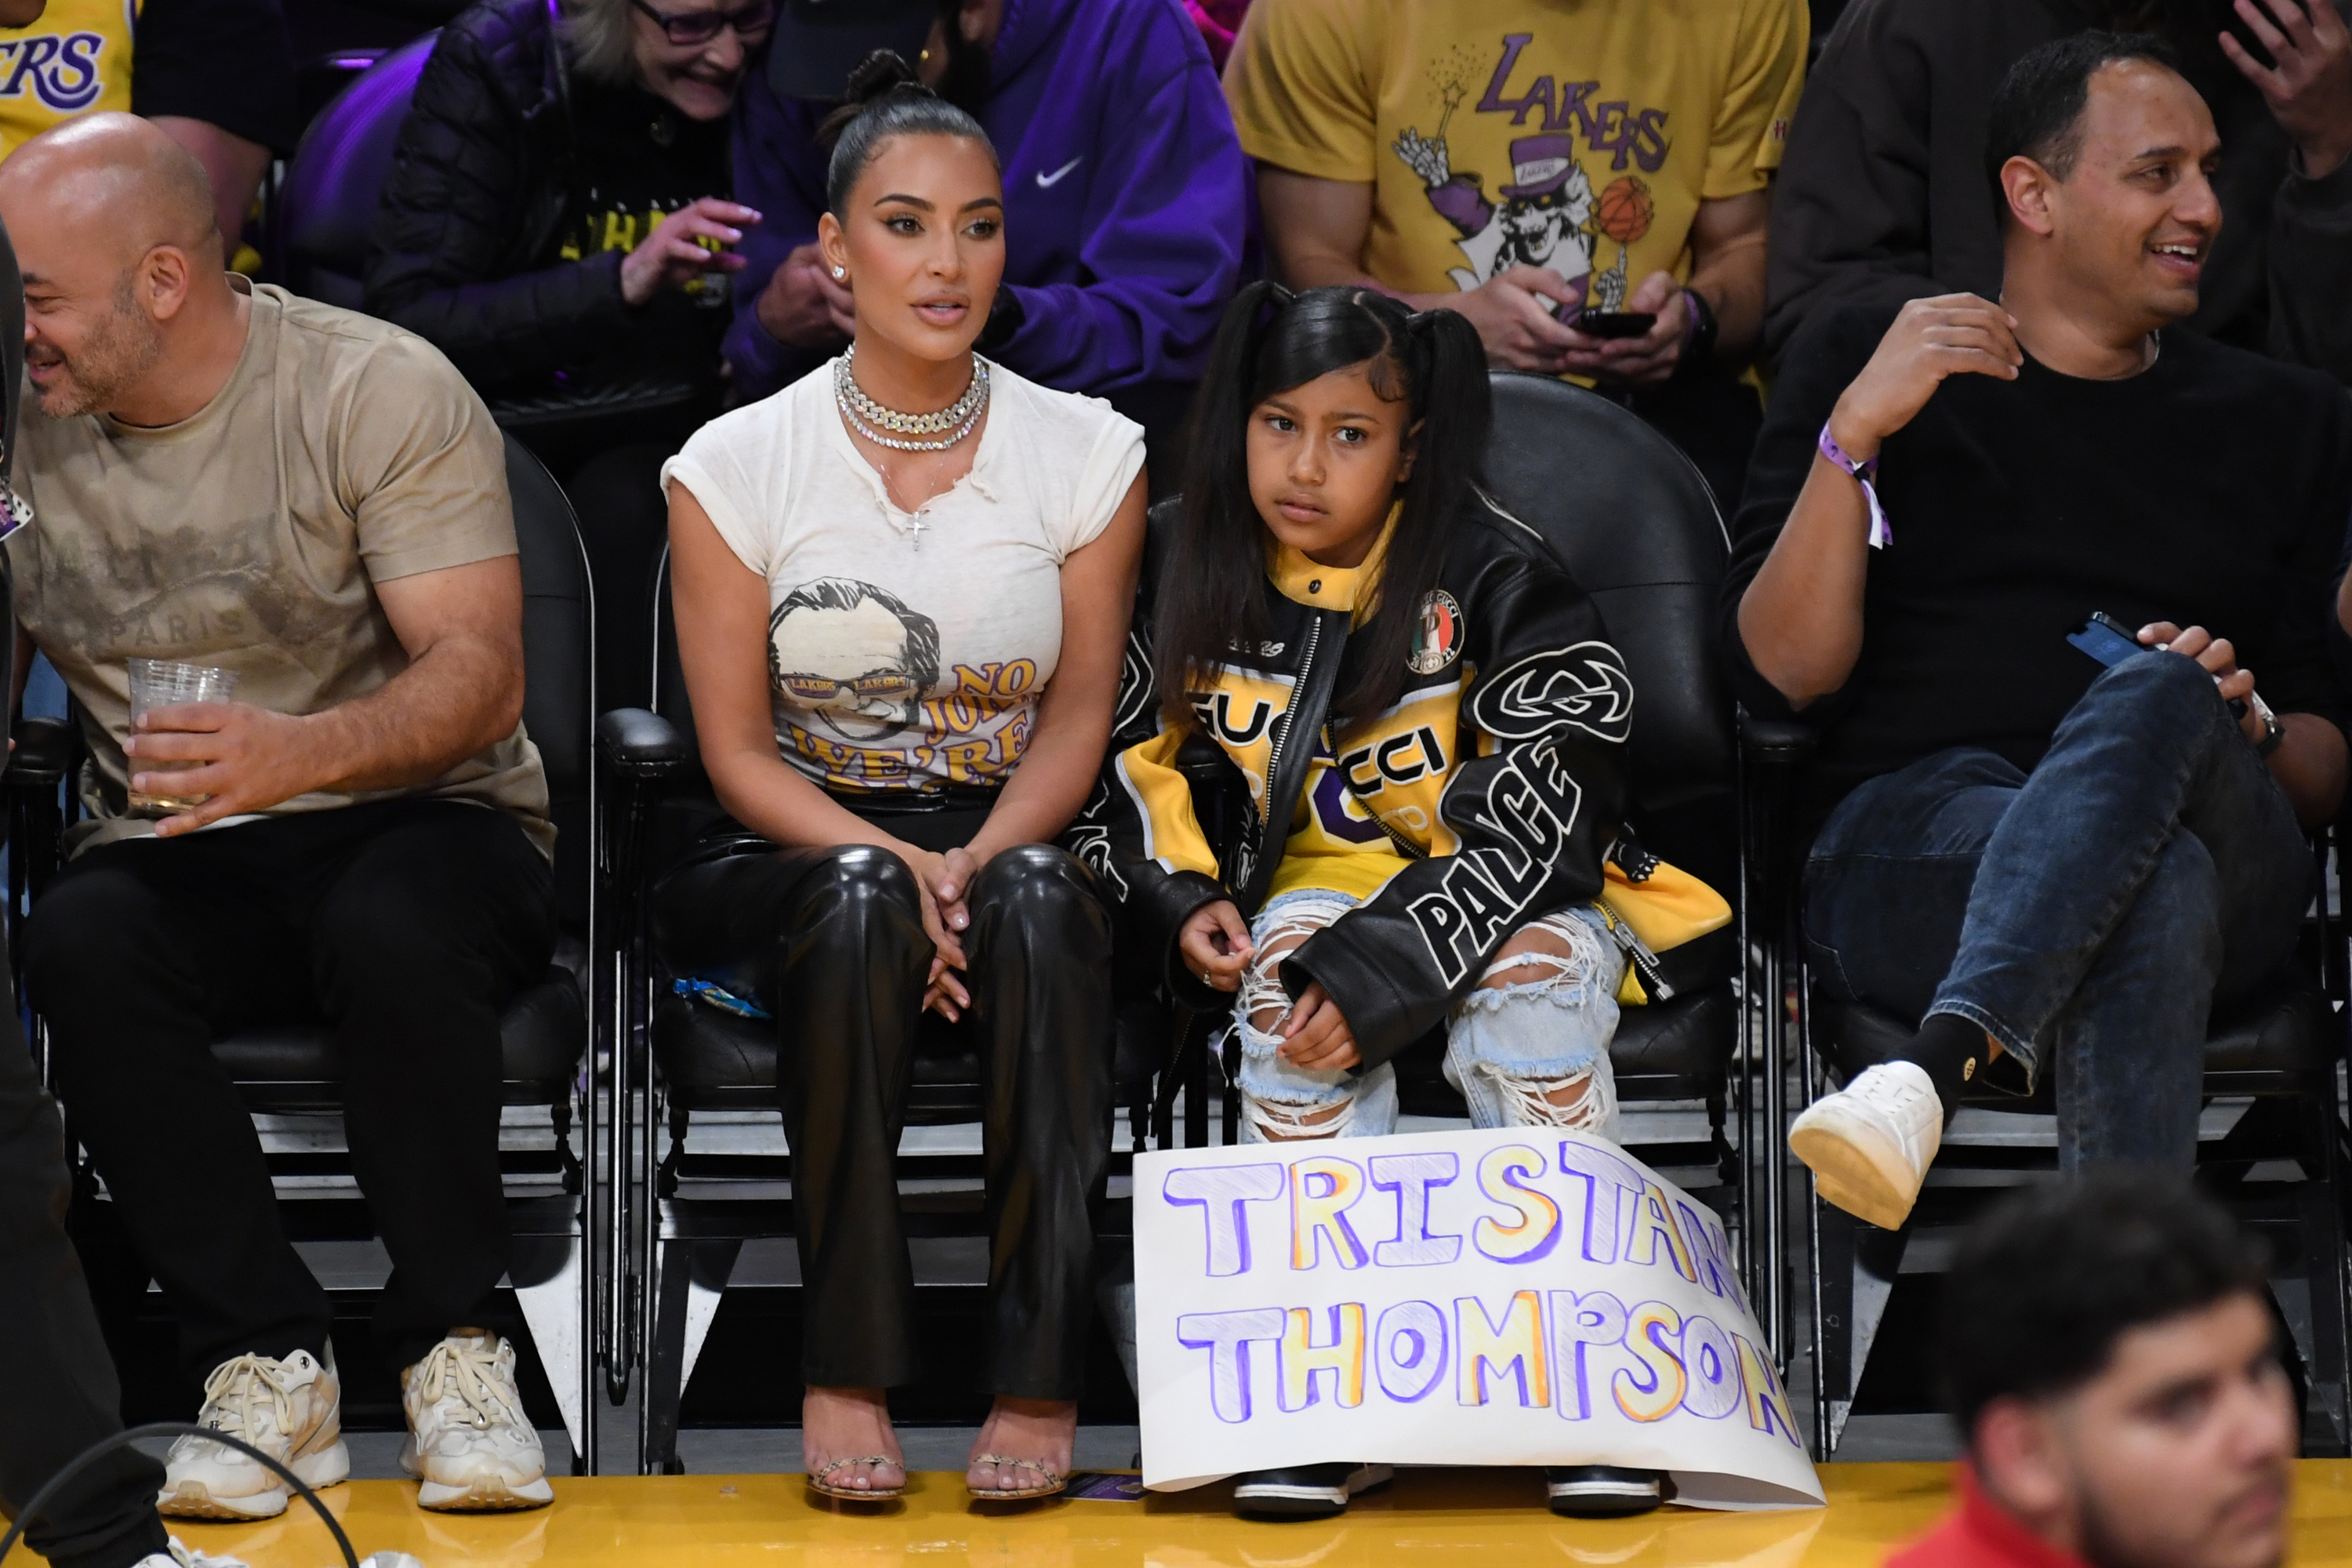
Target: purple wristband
(1865, 472)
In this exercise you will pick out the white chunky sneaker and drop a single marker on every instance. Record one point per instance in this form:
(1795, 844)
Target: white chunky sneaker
(1870, 1144)
(291, 1410)
(468, 1443)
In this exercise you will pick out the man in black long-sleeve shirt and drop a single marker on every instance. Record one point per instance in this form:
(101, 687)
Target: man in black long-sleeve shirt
(1881, 197)
(2067, 865)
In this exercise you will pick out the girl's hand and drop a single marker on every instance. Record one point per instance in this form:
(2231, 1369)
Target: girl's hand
(1316, 1037)
(1216, 945)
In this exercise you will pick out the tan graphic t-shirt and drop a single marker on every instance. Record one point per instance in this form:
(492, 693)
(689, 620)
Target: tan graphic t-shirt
(343, 452)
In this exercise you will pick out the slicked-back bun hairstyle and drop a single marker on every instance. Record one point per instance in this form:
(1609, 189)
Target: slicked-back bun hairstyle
(1213, 595)
(886, 99)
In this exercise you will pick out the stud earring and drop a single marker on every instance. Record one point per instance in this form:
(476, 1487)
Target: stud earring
(840, 273)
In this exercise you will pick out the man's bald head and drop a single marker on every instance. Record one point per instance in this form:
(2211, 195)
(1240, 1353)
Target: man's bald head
(116, 183)
(125, 289)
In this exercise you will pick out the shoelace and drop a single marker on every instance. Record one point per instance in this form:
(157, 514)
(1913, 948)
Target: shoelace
(1529, 1103)
(464, 1368)
(1888, 1090)
(234, 1391)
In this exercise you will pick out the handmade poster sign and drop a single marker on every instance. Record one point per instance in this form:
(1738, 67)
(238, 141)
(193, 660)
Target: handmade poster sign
(1495, 1297)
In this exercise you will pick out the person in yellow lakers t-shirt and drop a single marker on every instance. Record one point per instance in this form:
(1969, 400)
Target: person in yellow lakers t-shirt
(216, 75)
(1524, 162)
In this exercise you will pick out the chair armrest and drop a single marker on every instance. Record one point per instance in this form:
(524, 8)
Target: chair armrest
(44, 754)
(640, 743)
(1776, 743)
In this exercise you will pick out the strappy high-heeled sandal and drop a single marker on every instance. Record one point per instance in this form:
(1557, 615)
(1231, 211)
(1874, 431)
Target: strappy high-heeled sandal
(821, 1480)
(1054, 1480)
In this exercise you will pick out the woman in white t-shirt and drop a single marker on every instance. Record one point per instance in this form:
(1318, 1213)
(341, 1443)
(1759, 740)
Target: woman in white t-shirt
(902, 587)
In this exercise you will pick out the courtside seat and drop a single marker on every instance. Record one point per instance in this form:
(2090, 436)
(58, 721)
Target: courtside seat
(692, 1065)
(712, 1060)
(1636, 525)
(2287, 1038)
(2272, 1142)
(290, 1070)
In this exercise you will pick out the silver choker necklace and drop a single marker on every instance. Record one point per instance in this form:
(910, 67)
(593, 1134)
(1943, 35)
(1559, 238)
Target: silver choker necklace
(876, 424)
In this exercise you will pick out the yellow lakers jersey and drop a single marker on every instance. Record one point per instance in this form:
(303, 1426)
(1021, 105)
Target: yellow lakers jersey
(76, 58)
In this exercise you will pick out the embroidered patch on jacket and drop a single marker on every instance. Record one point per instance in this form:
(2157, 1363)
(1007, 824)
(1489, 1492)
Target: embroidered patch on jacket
(1437, 641)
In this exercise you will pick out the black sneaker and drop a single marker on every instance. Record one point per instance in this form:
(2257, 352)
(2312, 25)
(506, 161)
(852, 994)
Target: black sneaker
(1604, 1492)
(1305, 1491)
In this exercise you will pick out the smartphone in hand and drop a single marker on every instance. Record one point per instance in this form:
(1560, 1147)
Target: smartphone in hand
(1615, 323)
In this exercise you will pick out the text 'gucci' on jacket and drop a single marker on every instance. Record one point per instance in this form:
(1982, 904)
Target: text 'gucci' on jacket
(1485, 796)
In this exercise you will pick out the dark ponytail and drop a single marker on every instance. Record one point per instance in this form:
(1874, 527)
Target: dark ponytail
(1213, 595)
(886, 99)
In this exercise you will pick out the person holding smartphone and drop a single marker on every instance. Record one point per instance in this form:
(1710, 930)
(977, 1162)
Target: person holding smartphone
(2052, 865)
(1587, 185)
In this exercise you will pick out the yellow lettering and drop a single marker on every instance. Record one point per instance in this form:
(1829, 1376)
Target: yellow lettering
(1343, 1358)
(1538, 1226)
(1653, 1221)
(1513, 1348)
(1316, 1214)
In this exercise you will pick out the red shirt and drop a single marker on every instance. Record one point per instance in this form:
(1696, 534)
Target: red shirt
(1978, 1534)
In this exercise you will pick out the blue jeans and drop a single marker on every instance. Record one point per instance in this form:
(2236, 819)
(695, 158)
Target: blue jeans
(1502, 1043)
(2089, 915)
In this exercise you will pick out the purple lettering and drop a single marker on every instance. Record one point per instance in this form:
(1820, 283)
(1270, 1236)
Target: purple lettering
(1650, 140)
(1220, 1191)
(1493, 102)
(1411, 1176)
(1575, 98)
(37, 53)
(1226, 1337)
(78, 65)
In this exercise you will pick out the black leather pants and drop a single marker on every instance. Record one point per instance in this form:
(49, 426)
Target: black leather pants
(833, 942)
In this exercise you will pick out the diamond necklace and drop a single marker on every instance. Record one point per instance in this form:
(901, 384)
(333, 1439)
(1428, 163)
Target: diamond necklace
(874, 422)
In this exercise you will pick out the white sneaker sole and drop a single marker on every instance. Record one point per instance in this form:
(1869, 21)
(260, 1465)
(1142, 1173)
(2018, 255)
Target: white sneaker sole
(485, 1494)
(1855, 1167)
(330, 1467)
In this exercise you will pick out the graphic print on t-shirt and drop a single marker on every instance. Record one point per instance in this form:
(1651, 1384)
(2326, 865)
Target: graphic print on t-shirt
(861, 702)
(1548, 212)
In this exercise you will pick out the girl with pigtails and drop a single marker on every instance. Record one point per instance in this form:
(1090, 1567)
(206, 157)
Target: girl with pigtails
(1430, 724)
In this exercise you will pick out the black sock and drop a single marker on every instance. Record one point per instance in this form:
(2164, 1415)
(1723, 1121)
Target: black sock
(1952, 1050)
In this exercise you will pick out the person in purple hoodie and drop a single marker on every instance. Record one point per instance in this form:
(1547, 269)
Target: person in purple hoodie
(1126, 195)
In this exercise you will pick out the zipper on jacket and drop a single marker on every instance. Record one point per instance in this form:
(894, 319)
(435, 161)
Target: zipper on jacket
(1645, 963)
(1289, 713)
(1404, 846)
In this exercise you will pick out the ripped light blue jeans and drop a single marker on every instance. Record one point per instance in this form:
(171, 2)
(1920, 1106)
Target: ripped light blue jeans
(1509, 1048)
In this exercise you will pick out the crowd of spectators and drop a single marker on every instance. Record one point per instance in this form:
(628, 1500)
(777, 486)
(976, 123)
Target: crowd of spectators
(888, 321)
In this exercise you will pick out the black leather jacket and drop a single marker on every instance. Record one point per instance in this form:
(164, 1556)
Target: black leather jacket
(480, 183)
(1514, 727)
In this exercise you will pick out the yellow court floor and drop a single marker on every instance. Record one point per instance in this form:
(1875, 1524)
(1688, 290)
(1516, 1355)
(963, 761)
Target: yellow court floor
(1428, 1519)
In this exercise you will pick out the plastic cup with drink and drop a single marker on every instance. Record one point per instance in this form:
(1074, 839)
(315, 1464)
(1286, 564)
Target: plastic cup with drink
(169, 683)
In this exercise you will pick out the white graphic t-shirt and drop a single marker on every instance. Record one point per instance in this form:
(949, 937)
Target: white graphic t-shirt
(908, 650)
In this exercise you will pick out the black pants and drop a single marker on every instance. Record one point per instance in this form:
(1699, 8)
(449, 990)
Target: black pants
(60, 1391)
(833, 942)
(405, 926)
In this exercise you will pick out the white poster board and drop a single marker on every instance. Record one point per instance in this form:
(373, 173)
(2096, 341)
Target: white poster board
(1476, 1298)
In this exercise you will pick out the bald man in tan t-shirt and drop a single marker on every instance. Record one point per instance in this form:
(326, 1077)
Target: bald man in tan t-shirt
(228, 475)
